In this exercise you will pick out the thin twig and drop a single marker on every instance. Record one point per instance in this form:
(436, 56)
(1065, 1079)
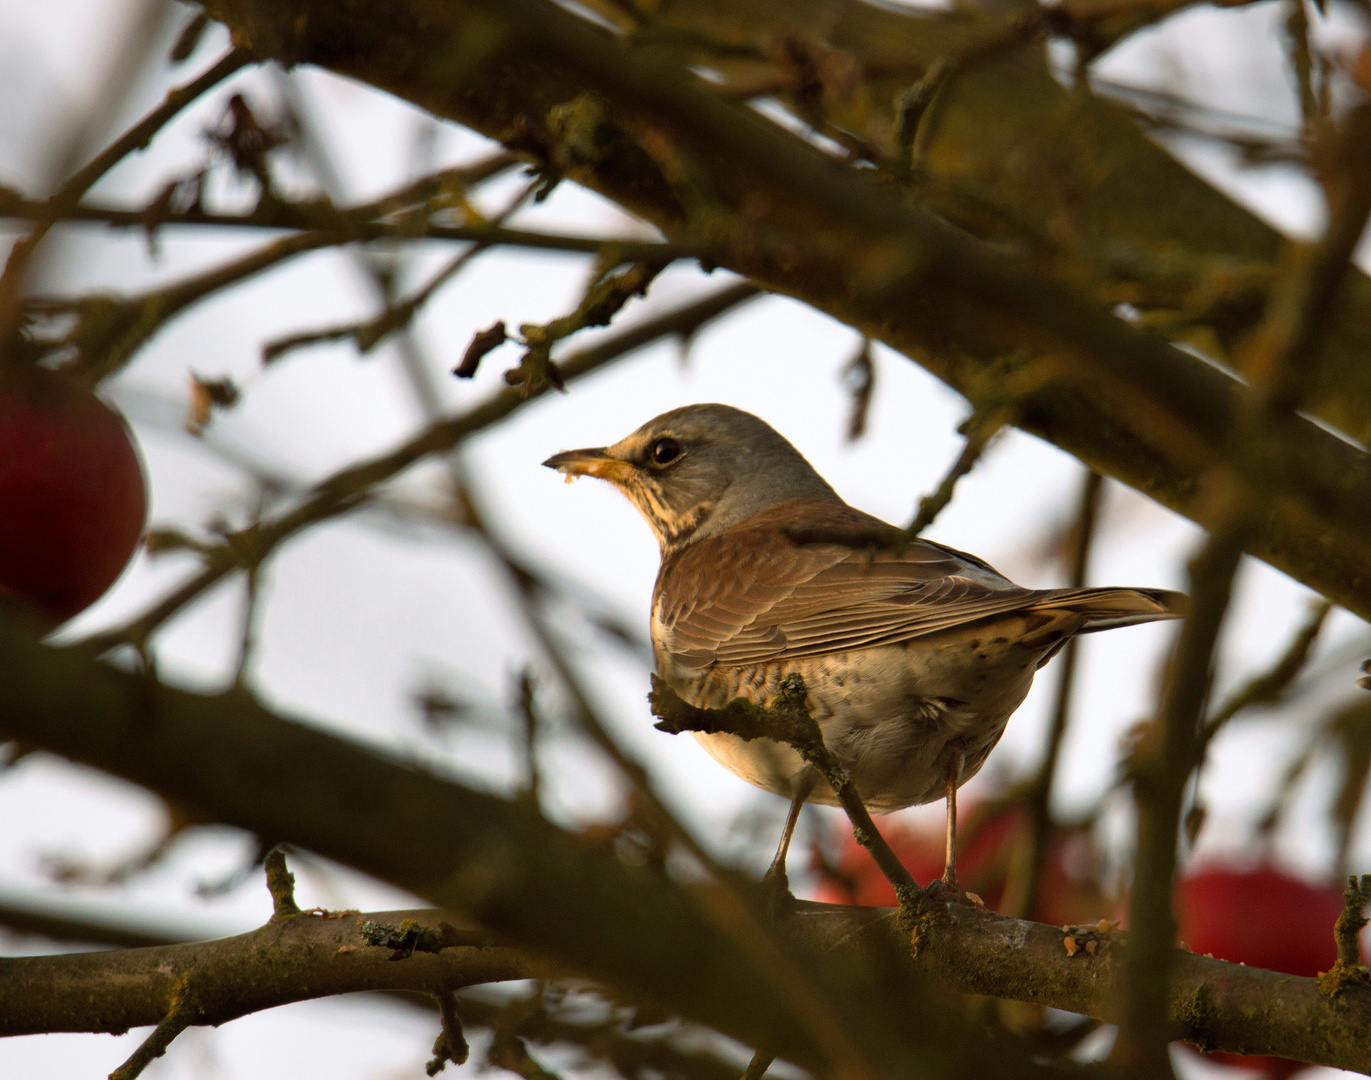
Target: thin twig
(528, 712)
(181, 1015)
(251, 610)
(980, 430)
(1348, 971)
(1281, 360)
(359, 226)
(451, 1044)
(787, 720)
(1268, 686)
(349, 487)
(397, 314)
(281, 885)
(62, 202)
(757, 1067)
(109, 331)
(1301, 63)
(1022, 890)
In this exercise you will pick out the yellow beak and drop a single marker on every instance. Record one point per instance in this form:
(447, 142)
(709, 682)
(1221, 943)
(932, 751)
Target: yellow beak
(595, 461)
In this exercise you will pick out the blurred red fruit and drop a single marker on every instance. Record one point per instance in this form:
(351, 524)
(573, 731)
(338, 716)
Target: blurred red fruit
(1264, 918)
(72, 496)
(1067, 892)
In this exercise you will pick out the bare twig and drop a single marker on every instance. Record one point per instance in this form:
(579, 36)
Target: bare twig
(451, 1044)
(1021, 892)
(1267, 687)
(528, 712)
(1347, 972)
(66, 198)
(281, 885)
(859, 374)
(757, 1067)
(182, 1014)
(398, 314)
(349, 487)
(980, 431)
(601, 302)
(1302, 64)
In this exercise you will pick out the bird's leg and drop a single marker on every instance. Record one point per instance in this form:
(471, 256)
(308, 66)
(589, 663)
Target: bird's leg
(954, 773)
(775, 883)
(945, 888)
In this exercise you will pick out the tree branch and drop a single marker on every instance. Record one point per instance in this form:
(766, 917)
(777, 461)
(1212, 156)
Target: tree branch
(347, 488)
(66, 198)
(769, 205)
(555, 896)
(493, 861)
(313, 955)
(1285, 350)
(1078, 160)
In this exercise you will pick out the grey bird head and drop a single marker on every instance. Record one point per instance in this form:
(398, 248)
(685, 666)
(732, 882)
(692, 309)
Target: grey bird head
(697, 470)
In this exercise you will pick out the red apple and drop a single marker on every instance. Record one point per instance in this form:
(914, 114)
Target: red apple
(1262, 917)
(72, 496)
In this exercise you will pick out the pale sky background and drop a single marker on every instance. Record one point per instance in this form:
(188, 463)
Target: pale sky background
(360, 613)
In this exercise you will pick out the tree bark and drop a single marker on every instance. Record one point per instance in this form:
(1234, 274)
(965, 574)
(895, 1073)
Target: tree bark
(770, 206)
(567, 904)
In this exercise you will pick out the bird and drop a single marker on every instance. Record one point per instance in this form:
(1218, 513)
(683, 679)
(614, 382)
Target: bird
(913, 654)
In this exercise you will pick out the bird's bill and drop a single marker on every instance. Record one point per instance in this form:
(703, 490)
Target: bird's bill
(595, 461)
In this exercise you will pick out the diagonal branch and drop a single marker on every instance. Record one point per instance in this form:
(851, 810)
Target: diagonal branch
(1285, 351)
(67, 197)
(766, 204)
(562, 898)
(496, 862)
(346, 489)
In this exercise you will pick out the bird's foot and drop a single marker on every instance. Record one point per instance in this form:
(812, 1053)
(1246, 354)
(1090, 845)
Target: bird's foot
(943, 890)
(777, 899)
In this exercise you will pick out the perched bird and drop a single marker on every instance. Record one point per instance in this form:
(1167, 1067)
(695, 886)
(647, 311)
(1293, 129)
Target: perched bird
(914, 655)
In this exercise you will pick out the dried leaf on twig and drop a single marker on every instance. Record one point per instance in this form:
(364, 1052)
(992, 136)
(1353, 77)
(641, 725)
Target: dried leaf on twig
(485, 341)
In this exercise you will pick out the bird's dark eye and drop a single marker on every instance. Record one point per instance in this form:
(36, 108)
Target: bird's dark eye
(664, 451)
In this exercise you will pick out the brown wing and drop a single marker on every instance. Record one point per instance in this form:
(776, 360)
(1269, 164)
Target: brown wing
(757, 594)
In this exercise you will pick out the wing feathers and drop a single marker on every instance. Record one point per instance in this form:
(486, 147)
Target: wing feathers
(753, 594)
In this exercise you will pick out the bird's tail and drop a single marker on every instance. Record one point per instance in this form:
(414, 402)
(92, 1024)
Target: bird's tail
(1105, 609)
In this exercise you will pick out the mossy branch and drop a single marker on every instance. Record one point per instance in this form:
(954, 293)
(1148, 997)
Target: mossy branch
(1347, 972)
(548, 893)
(281, 885)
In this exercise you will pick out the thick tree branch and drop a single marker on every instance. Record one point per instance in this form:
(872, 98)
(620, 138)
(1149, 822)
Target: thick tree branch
(496, 862)
(771, 206)
(608, 1039)
(560, 898)
(1013, 149)
(311, 955)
